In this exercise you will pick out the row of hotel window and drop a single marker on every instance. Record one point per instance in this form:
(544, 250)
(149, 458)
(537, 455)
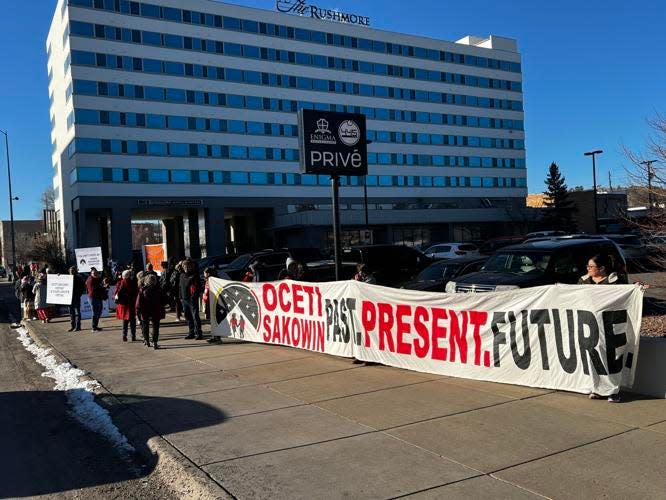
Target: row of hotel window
(182, 96)
(254, 27)
(284, 56)
(115, 118)
(174, 68)
(114, 146)
(164, 176)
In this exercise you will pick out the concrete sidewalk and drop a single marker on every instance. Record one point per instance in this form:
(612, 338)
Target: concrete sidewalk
(274, 422)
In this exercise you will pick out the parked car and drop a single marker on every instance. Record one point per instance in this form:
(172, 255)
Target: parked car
(543, 262)
(543, 234)
(452, 250)
(631, 245)
(435, 277)
(273, 261)
(391, 265)
(219, 262)
(488, 247)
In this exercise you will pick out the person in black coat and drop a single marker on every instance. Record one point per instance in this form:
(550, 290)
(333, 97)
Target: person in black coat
(190, 293)
(150, 308)
(78, 289)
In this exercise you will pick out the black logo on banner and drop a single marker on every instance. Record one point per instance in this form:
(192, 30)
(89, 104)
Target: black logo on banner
(332, 143)
(238, 305)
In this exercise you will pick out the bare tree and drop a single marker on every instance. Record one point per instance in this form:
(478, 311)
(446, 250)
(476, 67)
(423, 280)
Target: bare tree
(647, 180)
(46, 201)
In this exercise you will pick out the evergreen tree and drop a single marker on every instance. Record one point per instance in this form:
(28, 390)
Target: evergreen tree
(558, 214)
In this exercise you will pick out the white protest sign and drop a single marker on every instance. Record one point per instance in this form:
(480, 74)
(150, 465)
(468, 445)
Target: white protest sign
(89, 257)
(59, 289)
(570, 337)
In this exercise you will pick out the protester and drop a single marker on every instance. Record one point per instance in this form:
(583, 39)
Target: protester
(190, 292)
(291, 270)
(600, 272)
(78, 289)
(302, 272)
(126, 295)
(250, 274)
(39, 291)
(141, 276)
(164, 278)
(28, 298)
(97, 293)
(209, 272)
(150, 308)
(363, 274)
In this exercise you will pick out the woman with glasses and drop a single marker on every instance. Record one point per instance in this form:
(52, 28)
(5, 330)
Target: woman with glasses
(600, 272)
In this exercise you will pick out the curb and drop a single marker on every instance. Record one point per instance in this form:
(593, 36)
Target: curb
(178, 473)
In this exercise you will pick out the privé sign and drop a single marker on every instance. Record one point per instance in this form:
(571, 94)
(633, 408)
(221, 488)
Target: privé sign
(332, 143)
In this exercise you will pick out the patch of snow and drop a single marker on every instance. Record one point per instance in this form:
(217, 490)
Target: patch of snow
(80, 394)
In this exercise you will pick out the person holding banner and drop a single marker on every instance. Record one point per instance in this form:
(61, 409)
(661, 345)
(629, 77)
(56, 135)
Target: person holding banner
(97, 292)
(78, 289)
(126, 295)
(600, 272)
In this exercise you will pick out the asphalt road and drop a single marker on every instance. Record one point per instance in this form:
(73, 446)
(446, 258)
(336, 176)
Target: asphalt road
(44, 451)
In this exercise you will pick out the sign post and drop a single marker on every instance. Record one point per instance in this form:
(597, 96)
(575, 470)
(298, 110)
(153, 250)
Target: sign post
(333, 144)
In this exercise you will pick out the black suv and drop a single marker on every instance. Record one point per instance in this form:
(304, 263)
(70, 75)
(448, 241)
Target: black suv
(435, 277)
(391, 265)
(539, 262)
(274, 261)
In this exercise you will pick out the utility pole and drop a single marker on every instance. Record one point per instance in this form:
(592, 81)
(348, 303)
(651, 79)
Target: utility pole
(11, 202)
(650, 175)
(593, 154)
(610, 181)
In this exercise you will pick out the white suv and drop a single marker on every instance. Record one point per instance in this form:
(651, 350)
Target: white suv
(452, 251)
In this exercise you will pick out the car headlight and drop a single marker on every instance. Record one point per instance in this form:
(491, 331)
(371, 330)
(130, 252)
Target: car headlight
(506, 288)
(450, 287)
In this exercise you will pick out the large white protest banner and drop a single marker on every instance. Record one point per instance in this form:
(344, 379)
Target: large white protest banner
(89, 257)
(568, 337)
(59, 289)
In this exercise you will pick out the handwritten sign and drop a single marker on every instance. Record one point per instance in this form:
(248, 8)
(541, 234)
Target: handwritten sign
(59, 289)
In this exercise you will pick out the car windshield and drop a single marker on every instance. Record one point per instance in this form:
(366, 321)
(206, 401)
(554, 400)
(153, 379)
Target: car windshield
(240, 262)
(306, 254)
(517, 263)
(437, 272)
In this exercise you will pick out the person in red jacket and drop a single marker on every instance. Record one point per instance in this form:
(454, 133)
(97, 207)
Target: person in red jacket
(97, 292)
(150, 308)
(126, 294)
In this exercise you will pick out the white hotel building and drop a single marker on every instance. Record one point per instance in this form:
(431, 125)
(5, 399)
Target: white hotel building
(186, 110)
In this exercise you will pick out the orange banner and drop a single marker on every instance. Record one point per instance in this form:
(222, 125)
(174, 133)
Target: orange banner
(155, 255)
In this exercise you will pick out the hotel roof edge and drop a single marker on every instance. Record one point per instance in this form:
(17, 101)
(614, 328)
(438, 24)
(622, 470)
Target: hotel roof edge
(507, 45)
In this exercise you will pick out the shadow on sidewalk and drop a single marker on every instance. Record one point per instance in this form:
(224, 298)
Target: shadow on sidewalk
(46, 451)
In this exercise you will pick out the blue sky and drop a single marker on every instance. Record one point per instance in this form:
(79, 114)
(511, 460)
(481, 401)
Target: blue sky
(593, 73)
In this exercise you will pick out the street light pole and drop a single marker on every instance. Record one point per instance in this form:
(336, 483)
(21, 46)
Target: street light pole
(594, 154)
(648, 164)
(11, 202)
